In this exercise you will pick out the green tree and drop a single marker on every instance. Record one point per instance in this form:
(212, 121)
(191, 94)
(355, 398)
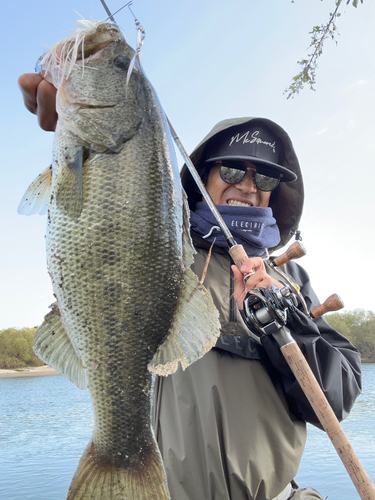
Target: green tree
(359, 327)
(337, 322)
(319, 35)
(16, 348)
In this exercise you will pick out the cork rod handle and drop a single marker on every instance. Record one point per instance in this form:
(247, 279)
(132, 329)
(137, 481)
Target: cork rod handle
(238, 254)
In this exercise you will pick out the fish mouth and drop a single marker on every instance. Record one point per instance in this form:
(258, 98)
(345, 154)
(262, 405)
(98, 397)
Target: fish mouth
(237, 203)
(78, 49)
(98, 105)
(93, 43)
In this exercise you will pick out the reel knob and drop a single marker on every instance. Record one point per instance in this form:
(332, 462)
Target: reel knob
(333, 303)
(295, 251)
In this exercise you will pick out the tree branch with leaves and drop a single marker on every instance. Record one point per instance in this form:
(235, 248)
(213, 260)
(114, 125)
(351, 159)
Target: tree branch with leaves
(319, 35)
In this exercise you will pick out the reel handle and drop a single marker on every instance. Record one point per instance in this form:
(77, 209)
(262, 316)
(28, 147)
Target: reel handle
(333, 303)
(295, 251)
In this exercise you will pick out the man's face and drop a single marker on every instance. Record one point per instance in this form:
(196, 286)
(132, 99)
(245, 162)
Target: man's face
(244, 193)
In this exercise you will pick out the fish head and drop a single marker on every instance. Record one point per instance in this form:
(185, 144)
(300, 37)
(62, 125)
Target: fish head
(96, 101)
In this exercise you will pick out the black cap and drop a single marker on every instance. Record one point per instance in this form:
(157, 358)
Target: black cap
(254, 142)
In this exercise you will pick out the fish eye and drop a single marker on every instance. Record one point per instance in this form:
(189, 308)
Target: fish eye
(122, 62)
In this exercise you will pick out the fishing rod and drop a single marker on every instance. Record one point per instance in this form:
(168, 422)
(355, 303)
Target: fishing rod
(236, 251)
(267, 313)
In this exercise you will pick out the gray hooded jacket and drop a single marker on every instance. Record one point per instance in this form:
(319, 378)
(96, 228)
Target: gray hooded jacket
(232, 425)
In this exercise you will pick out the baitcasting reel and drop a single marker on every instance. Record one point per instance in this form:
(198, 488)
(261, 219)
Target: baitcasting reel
(265, 309)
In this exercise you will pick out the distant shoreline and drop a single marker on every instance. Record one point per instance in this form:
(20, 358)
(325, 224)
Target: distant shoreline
(30, 371)
(46, 371)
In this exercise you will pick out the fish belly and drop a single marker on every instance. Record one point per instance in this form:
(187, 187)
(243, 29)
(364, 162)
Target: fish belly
(117, 273)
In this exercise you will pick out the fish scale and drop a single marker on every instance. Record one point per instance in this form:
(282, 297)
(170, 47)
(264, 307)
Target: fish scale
(119, 256)
(80, 295)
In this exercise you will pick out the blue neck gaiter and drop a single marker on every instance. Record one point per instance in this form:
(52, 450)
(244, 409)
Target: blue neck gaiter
(253, 227)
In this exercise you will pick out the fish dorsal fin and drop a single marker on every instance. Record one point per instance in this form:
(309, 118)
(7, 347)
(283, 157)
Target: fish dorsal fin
(195, 326)
(36, 200)
(53, 346)
(69, 182)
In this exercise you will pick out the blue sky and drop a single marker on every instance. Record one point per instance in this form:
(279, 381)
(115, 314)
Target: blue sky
(210, 60)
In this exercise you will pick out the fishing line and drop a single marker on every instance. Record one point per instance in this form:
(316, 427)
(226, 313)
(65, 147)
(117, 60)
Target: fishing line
(346, 167)
(303, 227)
(338, 188)
(334, 111)
(236, 251)
(348, 143)
(352, 186)
(340, 194)
(110, 16)
(338, 183)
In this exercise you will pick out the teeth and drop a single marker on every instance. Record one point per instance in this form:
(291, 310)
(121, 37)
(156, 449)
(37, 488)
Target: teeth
(238, 203)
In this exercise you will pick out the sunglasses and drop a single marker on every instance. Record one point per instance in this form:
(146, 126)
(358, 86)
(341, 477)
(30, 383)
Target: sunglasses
(234, 172)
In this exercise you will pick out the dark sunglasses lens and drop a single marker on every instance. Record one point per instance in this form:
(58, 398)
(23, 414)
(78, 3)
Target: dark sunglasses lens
(232, 175)
(265, 183)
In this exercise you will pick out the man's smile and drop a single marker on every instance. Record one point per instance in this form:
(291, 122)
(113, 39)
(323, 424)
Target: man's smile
(237, 203)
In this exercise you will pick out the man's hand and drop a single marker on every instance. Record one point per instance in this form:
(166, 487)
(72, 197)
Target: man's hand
(260, 279)
(39, 97)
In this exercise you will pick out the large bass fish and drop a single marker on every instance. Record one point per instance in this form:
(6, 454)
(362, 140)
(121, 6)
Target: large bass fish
(119, 255)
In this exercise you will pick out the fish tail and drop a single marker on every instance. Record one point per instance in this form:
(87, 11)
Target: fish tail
(98, 479)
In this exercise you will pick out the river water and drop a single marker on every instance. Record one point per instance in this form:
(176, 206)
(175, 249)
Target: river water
(46, 422)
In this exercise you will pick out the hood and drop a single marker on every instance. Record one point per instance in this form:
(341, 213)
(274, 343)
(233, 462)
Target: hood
(287, 199)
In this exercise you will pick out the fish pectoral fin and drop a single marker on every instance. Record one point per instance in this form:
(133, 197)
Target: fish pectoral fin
(53, 346)
(195, 327)
(69, 182)
(194, 331)
(37, 197)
